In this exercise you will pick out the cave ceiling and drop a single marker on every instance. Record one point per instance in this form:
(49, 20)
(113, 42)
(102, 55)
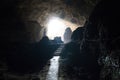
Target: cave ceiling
(75, 11)
(14, 13)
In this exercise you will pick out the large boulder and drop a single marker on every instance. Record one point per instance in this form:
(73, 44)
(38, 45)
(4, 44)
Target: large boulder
(77, 35)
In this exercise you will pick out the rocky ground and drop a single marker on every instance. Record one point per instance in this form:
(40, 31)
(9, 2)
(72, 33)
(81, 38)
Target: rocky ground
(4, 75)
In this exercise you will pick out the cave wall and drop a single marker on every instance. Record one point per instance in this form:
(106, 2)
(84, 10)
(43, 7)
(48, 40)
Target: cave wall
(34, 31)
(97, 52)
(102, 29)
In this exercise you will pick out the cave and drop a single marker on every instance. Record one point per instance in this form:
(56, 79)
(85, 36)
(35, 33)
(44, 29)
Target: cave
(59, 40)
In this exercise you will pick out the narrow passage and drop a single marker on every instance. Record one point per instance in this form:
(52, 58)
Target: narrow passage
(54, 65)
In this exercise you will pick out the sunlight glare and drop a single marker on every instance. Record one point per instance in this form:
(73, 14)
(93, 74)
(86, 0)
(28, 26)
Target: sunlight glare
(55, 27)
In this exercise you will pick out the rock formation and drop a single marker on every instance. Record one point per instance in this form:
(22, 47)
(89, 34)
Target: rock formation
(99, 48)
(77, 35)
(102, 29)
(29, 57)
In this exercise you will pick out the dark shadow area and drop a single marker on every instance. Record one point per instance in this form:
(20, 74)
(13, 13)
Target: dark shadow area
(29, 57)
(96, 54)
(78, 64)
(91, 52)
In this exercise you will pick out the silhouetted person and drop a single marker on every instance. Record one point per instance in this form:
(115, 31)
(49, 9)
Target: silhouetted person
(67, 35)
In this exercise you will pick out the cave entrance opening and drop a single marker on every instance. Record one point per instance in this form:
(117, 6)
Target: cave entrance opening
(55, 28)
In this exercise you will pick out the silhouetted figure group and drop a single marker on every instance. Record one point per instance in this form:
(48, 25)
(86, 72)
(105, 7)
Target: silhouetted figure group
(58, 40)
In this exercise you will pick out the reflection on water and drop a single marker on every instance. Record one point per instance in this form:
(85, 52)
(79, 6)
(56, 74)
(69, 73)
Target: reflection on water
(53, 69)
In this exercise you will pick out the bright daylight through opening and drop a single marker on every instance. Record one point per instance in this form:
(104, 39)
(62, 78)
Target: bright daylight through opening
(55, 27)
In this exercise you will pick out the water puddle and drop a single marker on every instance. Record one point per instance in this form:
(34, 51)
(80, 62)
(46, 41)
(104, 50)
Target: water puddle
(53, 69)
